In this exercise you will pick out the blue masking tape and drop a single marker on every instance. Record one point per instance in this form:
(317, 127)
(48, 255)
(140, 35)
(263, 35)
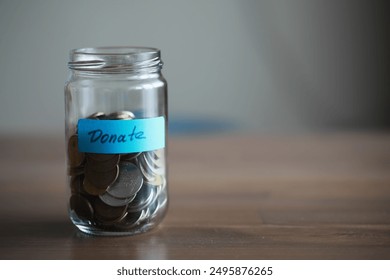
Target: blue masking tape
(121, 136)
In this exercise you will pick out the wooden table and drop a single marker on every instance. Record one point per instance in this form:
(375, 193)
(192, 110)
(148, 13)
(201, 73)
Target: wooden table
(324, 196)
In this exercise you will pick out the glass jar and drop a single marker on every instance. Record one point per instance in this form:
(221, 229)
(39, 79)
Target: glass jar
(116, 131)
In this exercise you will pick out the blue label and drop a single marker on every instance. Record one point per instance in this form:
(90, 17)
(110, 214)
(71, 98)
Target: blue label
(121, 136)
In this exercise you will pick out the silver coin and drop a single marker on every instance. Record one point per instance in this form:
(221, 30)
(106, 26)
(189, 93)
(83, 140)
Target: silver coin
(146, 173)
(150, 171)
(133, 219)
(153, 208)
(113, 201)
(144, 197)
(163, 198)
(122, 115)
(128, 183)
(154, 157)
(161, 202)
(158, 181)
(97, 116)
(108, 214)
(151, 164)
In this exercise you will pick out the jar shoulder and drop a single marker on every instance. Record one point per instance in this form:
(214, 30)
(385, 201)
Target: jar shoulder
(150, 81)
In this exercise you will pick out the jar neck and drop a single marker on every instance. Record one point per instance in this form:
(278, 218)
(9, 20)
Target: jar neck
(133, 61)
(77, 74)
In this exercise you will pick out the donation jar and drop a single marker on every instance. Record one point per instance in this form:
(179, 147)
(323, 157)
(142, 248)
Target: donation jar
(116, 135)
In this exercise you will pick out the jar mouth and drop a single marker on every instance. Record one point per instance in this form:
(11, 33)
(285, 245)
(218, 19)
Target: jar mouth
(116, 59)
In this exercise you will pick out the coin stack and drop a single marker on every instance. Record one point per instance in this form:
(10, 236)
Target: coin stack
(115, 192)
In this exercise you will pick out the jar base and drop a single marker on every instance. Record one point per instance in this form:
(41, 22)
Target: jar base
(91, 230)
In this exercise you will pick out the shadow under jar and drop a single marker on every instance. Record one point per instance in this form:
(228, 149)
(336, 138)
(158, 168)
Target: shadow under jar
(116, 131)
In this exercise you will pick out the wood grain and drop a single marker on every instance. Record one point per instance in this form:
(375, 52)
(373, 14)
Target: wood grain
(231, 197)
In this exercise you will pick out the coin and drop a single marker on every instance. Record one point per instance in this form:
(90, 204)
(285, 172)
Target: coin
(122, 115)
(101, 166)
(81, 206)
(91, 189)
(103, 179)
(133, 219)
(163, 198)
(151, 164)
(146, 173)
(101, 157)
(158, 153)
(144, 197)
(158, 207)
(75, 158)
(153, 158)
(129, 157)
(114, 201)
(74, 171)
(128, 183)
(76, 183)
(159, 181)
(153, 208)
(106, 213)
(151, 177)
(97, 116)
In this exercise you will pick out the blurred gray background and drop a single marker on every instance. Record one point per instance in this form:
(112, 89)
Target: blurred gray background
(267, 66)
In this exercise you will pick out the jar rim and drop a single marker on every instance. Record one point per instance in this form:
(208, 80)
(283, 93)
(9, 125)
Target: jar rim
(115, 50)
(114, 59)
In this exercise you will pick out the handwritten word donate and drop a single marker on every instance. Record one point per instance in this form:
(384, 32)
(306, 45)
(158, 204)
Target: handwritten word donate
(98, 135)
(121, 136)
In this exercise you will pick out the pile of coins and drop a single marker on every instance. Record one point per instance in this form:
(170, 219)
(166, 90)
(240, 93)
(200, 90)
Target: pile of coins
(116, 191)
